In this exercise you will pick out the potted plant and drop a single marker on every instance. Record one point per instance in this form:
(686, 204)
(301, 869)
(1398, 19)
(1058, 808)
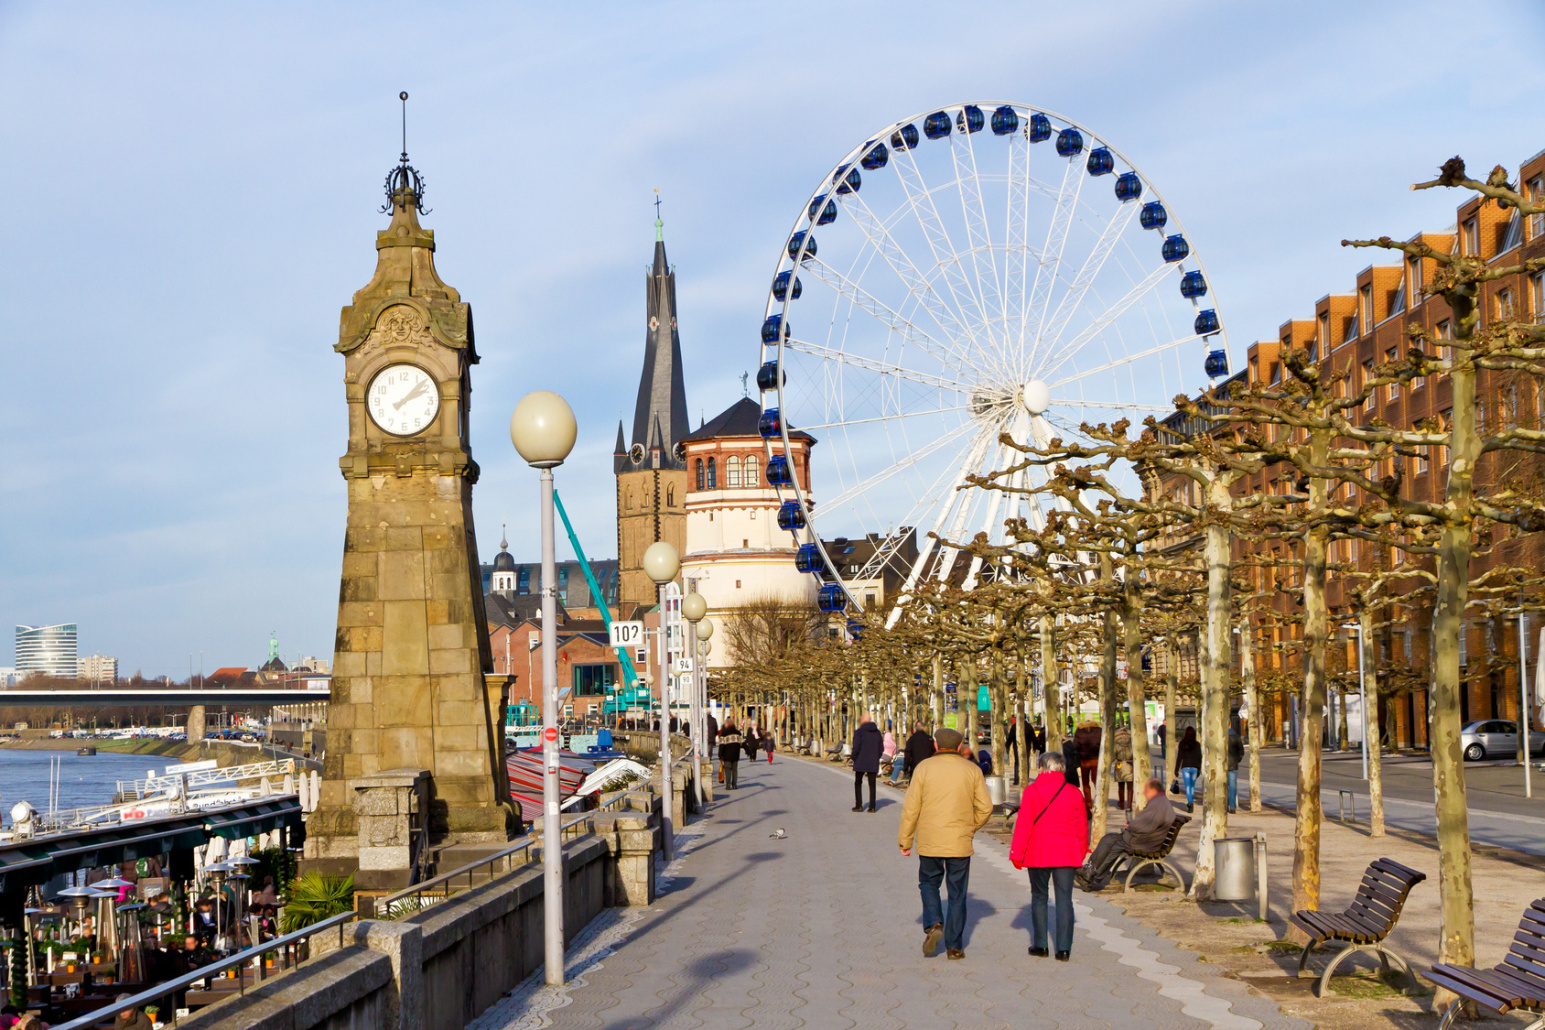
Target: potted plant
(153, 1013)
(312, 898)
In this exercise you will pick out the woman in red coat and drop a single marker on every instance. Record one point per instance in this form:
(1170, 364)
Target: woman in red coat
(1051, 838)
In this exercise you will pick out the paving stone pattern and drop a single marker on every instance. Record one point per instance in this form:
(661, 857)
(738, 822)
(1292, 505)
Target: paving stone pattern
(824, 930)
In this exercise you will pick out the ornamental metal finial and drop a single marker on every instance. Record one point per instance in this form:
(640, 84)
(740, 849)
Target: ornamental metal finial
(404, 181)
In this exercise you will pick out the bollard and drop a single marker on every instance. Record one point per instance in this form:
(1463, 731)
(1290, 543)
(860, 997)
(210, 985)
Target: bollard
(1260, 874)
(1347, 798)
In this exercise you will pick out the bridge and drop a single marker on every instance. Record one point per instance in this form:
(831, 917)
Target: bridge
(174, 696)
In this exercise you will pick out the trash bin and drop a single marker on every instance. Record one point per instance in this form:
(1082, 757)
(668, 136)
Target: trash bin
(997, 789)
(1235, 876)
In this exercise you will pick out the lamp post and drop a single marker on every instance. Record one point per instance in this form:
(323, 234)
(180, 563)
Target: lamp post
(704, 631)
(661, 564)
(1523, 694)
(693, 607)
(542, 429)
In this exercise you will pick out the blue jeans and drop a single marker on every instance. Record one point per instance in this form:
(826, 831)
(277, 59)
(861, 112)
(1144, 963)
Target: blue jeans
(954, 874)
(1061, 878)
(896, 768)
(1188, 777)
(1233, 789)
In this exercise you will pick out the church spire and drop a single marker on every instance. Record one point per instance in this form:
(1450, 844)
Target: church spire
(662, 394)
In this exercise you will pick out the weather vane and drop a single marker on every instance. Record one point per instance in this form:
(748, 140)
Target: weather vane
(404, 181)
(745, 391)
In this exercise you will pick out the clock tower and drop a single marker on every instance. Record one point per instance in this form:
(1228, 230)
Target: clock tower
(409, 693)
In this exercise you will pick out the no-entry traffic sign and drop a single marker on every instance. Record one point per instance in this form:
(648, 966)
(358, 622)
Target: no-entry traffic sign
(551, 733)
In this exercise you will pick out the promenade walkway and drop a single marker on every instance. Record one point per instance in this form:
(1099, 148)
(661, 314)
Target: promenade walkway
(823, 930)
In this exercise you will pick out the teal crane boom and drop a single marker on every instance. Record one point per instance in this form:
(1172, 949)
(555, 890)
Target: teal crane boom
(629, 674)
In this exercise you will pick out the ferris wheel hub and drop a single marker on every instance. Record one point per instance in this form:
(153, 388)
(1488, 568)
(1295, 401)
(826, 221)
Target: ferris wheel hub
(1035, 396)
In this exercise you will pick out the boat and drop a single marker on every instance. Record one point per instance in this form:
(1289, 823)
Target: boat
(86, 751)
(525, 769)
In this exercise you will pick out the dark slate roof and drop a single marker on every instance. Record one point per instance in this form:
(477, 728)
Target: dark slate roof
(513, 609)
(743, 418)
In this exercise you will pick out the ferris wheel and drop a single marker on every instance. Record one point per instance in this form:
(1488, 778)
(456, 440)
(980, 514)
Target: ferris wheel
(978, 270)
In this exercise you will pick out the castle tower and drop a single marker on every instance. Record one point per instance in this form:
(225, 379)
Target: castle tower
(409, 699)
(652, 473)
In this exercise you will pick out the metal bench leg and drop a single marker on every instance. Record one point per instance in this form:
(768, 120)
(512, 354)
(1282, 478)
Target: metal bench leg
(1450, 1014)
(1132, 870)
(1303, 957)
(1176, 873)
(1538, 1024)
(1325, 990)
(1385, 955)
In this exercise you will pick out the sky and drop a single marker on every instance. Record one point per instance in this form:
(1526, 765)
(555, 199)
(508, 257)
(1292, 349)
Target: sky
(194, 191)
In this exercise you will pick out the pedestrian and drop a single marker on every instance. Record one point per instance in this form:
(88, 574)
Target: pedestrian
(1011, 743)
(1236, 754)
(1121, 766)
(769, 745)
(729, 753)
(1087, 739)
(752, 743)
(1038, 737)
(131, 1018)
(1051, 839)
(919, 746)
(888, 753)
(1163, 742)
(1070, 760)
(946, 804)
(1144, 834)
(868, 744)
(984, 759)
(1189, 754)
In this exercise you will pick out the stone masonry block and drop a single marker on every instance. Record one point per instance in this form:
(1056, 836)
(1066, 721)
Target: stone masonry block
(405, 638)
(361, 638)
(438, 611)
(442, 637)
(402, 576)
(449, 660)
(357, 565)
(358, 588)
(359, 613)
(348, 663)
(460, 713)
(402, 701)
(456, 687)
(409, 539)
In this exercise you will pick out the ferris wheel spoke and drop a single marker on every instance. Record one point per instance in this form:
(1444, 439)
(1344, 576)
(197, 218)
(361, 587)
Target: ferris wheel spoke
(984, 463)
(1033, 316)
(989, 519)
(1016, 237)
(1068, 306)
(946, 258)
(945, 354)
(894, 468)
(978, 236)
(1105, 318)
(892, 417)
(1073, 402)
(884, 368)
(918, 285)
(1125, 360)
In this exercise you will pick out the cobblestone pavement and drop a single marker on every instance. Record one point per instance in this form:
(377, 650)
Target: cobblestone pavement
(824, 930)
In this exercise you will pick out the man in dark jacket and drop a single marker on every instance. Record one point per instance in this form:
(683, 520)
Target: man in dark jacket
(868, 745)
(1236, 754)
(1145, 833)
(729, 753)
(919, 746)
(1087, 739)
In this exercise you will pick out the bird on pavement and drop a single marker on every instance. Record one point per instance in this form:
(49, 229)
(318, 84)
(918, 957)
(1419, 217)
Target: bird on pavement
(778, 834)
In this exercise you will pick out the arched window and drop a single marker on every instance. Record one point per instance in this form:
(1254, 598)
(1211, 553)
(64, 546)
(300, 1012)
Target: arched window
(700, 473)
(751, 479)
(670, 495)
(630, 498)
(713, 478)
(732, 472)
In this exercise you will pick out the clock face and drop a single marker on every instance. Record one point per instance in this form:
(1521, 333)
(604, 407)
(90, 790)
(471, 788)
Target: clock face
(403, 399)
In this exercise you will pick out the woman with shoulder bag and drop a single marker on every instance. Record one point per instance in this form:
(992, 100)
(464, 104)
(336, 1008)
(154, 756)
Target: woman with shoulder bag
(1051, 838)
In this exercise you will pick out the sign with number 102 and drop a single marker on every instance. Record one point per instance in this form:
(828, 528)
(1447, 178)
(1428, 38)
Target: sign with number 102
(627, 634)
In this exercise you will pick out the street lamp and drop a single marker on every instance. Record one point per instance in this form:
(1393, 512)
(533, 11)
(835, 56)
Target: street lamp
(704, 631)
(693, 607)
(661, 564)
(542, 429)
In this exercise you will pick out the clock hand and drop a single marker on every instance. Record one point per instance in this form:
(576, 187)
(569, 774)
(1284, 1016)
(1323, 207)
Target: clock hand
(420, 388)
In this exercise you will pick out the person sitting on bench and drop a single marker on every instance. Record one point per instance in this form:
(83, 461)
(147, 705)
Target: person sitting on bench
(1144, 834)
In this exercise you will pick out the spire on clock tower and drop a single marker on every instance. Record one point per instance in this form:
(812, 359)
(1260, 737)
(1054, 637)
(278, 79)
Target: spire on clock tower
(662, 393)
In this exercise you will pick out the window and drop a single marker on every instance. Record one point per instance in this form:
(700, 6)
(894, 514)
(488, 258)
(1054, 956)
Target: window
(1537, 295)
(700, 473)
(1352, 328)
(630, 498)
(1444, 331)
(745, 545)
(1368, 378)
(1394, 388)
(1470, 239)
(1276, 372)
(523, 580)
(670, 495)
(753, 514)
(563, 584)
(1510, 406)
(1414, 282)
(732, 472)
(1398, 305)
(751, 479)
(1325, 329)
(713, 478)
(1504, 304)
(595, 680)
(1365, 305)
(1534, 189)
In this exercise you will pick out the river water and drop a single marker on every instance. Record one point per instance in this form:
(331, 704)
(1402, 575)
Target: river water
(83, 780)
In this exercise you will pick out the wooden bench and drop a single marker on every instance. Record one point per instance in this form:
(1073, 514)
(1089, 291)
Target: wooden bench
(1139, 860)
(1365, 924)
(1518, 983)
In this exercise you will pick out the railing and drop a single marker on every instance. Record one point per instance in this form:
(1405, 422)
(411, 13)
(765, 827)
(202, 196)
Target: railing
(437, 889)
(205, 777)
(282, 945)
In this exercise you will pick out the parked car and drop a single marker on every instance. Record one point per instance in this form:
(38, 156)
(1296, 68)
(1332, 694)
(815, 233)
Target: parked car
(1495, 738)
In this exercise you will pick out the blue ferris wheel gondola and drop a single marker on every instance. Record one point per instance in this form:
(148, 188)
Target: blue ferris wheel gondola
(1152, 216)
(1070, 143)
(1217, 364)
(1039, 129)
(1206, 322)
(808, 558)
(824, 211)
(1004, 121)
(832, 598)
(798, 240)
(970, 119)
(904, 138)
(1175, 248)
(770, 327)
(778, 471)
(1129, 186)
(770, 424)
(1193, 285)
(781, 286)
(1101, 162)
(937, 125)
(849, 182)
(791, 516)
(876, 158)
(767, 377)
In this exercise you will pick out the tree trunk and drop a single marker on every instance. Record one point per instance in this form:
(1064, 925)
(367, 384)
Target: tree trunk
(1309, 813)
(1371, 728)
(941, 698)
(1171, 765)
(967, 677)
(1137, 693)
(1215, 687)
(1051, 689)
(1102, 775)
(997, 716)
(1255, 727)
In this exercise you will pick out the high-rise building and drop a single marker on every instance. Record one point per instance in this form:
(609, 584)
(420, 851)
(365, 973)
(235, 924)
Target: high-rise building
(97, 668)
(652, 472)
(46, 650)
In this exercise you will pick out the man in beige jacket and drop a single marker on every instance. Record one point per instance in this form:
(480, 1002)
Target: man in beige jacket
(946, 804)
